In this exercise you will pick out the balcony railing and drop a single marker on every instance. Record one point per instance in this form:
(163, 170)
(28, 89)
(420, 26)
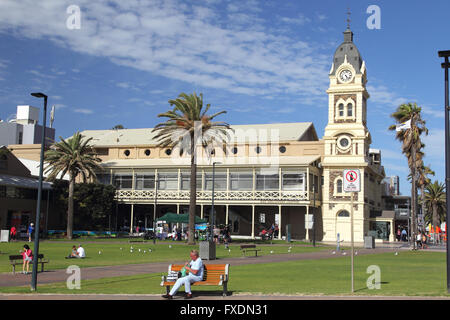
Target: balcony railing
(266, 196)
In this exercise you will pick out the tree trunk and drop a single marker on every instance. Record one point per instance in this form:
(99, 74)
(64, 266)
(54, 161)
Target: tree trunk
(422, 195)
(70, 208)
(193, 193)
(413, 195)
(435, 218)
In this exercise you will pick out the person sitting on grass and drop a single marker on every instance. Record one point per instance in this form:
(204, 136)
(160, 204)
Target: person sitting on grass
(27, 255)
(195, 269)
(73, 254)
(81, 253)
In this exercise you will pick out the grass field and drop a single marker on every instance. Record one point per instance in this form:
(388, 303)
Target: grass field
(409, 273)
(112, 254)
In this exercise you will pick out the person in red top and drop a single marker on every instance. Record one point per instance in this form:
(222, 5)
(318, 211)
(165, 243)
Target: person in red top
(13, 233)
(27, 255)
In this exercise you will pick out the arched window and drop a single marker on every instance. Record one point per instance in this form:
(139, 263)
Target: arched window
(344, 214)
(341, 110)
(349, 110)
(339, 186)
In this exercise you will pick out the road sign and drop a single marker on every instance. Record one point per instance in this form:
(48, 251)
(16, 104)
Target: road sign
(352, 180)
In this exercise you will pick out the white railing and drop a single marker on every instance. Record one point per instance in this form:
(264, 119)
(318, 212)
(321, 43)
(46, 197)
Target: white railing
(218, 195)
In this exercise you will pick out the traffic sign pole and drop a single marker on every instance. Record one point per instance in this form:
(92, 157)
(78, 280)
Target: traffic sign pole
(352, 240)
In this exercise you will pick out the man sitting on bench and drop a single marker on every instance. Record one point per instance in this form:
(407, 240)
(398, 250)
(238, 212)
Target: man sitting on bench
(195, 269)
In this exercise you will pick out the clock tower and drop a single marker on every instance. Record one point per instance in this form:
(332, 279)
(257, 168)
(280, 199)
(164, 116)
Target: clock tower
(346, 142)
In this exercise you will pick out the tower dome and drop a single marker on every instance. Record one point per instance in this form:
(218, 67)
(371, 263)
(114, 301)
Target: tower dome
(349, 49)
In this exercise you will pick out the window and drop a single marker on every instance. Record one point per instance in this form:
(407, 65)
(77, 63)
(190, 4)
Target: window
(168, 180)
(344, 214)
(145, 181)
(3, 162)
(234, 150)
(168, 152)
(339, 186)
(349, 110)
(186, 180)
(241, 180)
(265, 181)
(123, 181)
(282, 149)
(293, 180)
(104, 178)
(341, 110)
(126, 153)
(220, 180)
(258, 149)
(147, 152)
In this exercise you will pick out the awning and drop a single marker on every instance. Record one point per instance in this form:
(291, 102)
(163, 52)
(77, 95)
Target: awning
(23, 182)
(179, 218)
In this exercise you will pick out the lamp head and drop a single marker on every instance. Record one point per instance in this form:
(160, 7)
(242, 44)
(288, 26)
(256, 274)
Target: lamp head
(38, 95)
(444, 54)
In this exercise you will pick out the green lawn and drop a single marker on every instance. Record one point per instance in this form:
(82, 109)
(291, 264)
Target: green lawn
(111, 253)
(409, 273)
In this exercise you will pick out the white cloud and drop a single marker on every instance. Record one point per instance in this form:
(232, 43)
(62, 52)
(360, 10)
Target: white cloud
(83, 111)
(196, 43)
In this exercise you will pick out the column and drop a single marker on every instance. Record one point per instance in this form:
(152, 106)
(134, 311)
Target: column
(132, 218)
(226, 214)
(201, 211)
(392, 234)
(178, 208)
(279, 222)
(253, 221)
(306, 223)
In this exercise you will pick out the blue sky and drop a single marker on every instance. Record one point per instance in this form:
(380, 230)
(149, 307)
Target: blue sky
(262, 61)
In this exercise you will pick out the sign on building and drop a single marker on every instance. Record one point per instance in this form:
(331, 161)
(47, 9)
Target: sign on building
(352, 180)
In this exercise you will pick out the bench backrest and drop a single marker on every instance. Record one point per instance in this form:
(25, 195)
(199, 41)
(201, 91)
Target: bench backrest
(18, 257)
(248, 246)
(211, 272)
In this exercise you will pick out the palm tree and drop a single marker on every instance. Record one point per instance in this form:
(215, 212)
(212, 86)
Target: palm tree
(435, 201)
(76, 158)
(423, 181)
(188, 126)
(411, 144)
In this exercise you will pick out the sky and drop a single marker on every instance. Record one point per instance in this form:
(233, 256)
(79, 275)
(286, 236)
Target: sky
(119, 62)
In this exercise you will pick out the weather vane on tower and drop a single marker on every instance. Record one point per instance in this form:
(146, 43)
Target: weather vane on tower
(348, 18)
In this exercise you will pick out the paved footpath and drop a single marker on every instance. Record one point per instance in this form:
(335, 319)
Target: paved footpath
(10, 280)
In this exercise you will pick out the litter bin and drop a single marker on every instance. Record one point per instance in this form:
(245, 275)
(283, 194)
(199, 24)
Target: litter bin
(207, 250)
(369, 242)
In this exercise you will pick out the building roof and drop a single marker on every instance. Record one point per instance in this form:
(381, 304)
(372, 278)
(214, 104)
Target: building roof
(349, 49)
(22, 182)
(33, 166)
(297, 131)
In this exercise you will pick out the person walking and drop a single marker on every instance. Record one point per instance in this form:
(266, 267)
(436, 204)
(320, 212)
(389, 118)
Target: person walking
(27, 255)
(13, 233)
(30, 231)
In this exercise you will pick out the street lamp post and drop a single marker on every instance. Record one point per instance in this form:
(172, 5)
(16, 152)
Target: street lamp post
(446, 66)
(211, 235)
(154, 211)
(39, 196)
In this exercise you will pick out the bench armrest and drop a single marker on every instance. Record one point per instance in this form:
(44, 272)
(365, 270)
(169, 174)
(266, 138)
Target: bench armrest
(163, 279)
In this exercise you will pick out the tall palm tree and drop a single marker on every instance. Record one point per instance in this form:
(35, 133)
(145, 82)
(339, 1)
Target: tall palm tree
(75, 157)
(435, 201)
(188, 126)
(411, 144)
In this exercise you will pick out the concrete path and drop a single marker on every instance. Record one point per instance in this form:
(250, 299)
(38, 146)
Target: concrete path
(10, 280)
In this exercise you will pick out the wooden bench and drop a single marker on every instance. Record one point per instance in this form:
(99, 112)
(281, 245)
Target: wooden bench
(213, 275)
(18, 260)
(249, 247)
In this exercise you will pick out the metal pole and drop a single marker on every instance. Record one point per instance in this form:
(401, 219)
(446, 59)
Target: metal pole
(211, 236)
(352, 240)
(446, 65)
(38, 207)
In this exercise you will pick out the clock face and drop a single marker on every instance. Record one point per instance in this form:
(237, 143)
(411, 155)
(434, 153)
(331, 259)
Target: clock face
(345, 75)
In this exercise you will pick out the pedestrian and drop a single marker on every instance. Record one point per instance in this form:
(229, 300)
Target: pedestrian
(195, 269)
(27, 255)
(399, 234)
(73, 254)
(30, 231)
(276, 231)
(13, 233)
(419, 240)
(404, 235)
(424, 241)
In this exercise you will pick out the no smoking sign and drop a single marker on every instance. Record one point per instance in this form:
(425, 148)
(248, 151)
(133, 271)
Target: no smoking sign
(352, 180)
